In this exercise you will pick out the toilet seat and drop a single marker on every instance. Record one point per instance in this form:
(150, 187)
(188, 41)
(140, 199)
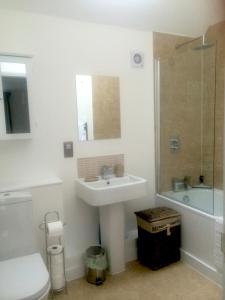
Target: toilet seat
(24, 278)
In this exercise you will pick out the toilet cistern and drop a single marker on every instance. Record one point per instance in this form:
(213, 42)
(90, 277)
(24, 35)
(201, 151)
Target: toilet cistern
(21, 266)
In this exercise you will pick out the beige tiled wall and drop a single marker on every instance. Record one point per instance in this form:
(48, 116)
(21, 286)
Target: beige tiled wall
(106, 107)
(164, 44)
(208, 114)
(186, 109)
(91, 166)
(217, 33)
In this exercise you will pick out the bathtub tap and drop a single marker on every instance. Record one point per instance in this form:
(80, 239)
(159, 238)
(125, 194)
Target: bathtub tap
(187, 182)
(178, 185)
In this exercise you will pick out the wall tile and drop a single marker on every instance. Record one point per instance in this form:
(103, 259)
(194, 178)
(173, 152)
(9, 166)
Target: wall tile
(91, 166)
(187, 104)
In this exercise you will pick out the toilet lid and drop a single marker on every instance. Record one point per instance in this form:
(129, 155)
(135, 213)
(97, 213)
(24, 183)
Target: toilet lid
(23, 278)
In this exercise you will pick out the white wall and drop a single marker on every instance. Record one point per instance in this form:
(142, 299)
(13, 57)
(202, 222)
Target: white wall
(61, 49)
(186, 17)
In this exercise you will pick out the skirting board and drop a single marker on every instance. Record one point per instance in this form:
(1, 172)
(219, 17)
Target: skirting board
(203, 268)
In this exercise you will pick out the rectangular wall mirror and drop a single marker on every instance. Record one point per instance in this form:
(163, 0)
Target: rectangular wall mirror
(14, 104)
(98, 107)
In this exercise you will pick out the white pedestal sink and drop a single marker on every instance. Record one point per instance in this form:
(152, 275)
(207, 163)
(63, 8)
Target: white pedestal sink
(109, 195)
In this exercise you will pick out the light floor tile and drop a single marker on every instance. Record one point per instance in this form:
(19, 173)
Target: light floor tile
(175, 282)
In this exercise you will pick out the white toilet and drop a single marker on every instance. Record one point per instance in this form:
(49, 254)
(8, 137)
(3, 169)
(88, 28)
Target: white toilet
(23, 274)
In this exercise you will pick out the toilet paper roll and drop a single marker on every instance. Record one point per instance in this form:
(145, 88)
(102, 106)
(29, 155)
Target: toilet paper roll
(56, 267)
(55, 229)
(55, 249)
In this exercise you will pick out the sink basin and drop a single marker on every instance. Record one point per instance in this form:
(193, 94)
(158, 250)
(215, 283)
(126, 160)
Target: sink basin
(114, 190)
(109, 196)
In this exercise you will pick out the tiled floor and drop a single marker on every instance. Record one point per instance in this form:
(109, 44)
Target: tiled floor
(176, 282)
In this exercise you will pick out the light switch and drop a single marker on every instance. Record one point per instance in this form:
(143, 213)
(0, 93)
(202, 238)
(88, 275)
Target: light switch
(68, 149)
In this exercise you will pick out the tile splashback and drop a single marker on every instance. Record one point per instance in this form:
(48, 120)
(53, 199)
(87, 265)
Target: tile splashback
(91, 166)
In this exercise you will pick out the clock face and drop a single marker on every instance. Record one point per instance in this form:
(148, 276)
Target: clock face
(137, 59)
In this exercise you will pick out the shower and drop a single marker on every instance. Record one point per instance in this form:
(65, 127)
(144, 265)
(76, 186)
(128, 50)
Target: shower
(204, 45)
(187, 153)
(186, 109)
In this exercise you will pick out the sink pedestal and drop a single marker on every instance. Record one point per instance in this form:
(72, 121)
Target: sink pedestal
(109, 196)
(112, 235)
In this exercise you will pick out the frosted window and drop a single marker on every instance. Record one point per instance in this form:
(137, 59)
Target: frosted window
(13, 68)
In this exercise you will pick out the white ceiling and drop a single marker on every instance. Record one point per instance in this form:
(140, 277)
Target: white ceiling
(188, 17)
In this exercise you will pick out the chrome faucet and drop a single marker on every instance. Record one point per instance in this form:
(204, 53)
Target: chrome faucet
(187, 182)
(106, 172)
(181, 184)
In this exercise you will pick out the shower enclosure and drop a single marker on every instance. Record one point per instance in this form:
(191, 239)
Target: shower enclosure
(185, 107)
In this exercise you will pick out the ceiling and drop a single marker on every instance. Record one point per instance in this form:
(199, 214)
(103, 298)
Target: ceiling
(187, 17)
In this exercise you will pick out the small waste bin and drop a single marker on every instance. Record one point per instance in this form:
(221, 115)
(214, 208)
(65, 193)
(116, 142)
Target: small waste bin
(159, 236)
(96, 264)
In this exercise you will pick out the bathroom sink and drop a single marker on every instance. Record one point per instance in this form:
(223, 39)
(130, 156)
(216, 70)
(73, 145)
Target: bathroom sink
(113, 190)
(109, 195)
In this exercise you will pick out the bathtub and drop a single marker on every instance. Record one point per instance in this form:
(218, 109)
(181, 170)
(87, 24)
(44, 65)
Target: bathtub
(209, 201)
(201, 212)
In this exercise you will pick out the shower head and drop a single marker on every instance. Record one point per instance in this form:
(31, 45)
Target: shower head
(204, 45)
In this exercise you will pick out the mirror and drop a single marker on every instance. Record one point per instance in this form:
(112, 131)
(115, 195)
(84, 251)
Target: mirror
(14, 107)
(98, 107)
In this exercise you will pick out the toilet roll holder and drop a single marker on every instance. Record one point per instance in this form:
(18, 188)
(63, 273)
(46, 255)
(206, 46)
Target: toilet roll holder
(43, 226)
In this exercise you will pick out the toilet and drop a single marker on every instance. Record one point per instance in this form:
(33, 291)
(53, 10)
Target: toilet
(23, 274)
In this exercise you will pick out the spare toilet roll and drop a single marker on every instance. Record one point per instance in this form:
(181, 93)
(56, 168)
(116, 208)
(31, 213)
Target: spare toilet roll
(56, 267)
(55, 229)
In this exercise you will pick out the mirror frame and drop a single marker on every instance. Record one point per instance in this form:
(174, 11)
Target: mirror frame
(27, 60)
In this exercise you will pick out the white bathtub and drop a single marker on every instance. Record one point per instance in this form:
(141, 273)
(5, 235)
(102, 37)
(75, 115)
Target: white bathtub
(198, 227)
(207, 200)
